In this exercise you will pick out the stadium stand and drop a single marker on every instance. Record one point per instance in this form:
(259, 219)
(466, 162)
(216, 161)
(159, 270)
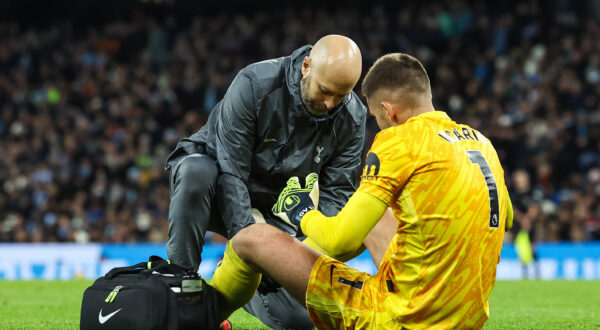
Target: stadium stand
(90, 110)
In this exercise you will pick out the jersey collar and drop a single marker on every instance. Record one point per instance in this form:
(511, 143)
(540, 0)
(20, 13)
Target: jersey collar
(430, 114)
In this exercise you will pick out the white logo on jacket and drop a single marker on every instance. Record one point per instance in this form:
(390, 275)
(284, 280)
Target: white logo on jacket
(318, 156)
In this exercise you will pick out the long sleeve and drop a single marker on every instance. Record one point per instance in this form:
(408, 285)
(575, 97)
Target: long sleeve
(345, 232)
(236, 127)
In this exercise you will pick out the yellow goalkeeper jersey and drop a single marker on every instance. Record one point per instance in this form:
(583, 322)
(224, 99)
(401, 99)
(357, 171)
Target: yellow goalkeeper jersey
(446, 187)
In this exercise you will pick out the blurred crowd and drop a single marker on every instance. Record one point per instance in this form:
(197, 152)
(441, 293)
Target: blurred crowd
(89, 113)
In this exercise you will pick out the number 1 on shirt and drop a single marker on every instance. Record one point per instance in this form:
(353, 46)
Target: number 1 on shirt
(476, 157)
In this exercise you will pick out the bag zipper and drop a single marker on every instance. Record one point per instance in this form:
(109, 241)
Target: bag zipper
(113, 294)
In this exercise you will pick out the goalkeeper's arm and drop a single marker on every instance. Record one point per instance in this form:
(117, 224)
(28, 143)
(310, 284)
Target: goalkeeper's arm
(335, 254)
(344, 233)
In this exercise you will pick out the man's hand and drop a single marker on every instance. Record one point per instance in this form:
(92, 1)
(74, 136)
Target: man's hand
(294, 201)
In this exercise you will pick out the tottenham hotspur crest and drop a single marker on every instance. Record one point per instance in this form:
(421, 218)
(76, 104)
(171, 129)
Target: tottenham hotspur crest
(318, 156)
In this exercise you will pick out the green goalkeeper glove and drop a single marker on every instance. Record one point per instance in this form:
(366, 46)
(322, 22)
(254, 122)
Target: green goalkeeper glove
(294, 201)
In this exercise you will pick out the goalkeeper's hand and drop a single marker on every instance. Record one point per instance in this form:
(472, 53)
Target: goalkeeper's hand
(294, 201)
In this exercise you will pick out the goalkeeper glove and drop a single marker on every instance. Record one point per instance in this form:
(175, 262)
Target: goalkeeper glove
(294, 201)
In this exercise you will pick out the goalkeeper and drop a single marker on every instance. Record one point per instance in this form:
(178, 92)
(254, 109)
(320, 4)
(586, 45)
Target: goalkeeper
(445, 185)
(279, 118)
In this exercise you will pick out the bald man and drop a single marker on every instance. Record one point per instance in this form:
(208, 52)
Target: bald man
(283, 117)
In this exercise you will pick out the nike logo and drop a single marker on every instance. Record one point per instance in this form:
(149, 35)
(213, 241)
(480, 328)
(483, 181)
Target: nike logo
(331, 274)
(270, 140)
(103, 319)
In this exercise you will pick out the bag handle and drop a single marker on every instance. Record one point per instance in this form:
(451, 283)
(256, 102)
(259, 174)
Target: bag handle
(155, 263)
(123, 270)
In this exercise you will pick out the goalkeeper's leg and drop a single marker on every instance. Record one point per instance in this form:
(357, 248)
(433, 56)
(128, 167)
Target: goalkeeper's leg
(271, 303)
(235, 280)
(262, 248)
(279, 310)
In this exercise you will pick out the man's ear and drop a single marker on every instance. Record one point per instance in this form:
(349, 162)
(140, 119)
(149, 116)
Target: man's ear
(390, 109)
(305, 66)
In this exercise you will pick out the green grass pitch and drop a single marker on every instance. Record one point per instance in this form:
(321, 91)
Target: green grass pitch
(513, 305)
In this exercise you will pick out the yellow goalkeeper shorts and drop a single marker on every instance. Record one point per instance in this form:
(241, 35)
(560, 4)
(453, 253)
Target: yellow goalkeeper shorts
(341, 297)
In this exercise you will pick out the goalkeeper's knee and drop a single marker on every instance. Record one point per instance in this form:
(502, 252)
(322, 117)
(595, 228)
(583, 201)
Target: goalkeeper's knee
(236, 282)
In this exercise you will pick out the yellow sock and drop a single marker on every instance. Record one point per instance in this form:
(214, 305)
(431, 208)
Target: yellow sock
(235, 280)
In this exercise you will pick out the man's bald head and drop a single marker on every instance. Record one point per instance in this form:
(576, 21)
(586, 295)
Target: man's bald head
(330, 73)
(337, 57)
